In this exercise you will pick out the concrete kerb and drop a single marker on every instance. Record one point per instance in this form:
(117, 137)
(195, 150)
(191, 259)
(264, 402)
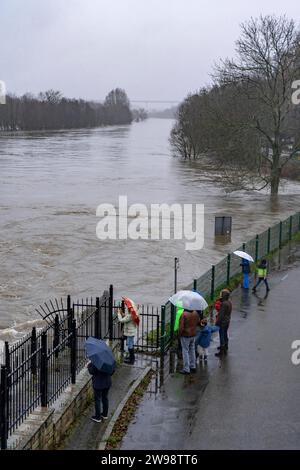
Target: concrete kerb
(120, 407)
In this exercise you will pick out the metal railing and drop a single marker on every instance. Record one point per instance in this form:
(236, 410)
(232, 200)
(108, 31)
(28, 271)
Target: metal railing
(221, 274)
(38, 368)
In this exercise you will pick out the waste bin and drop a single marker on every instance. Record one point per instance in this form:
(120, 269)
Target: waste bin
(223, 225)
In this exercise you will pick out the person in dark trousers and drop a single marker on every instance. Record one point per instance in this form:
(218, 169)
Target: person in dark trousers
(187, 332)
(262, 275)
(101, 385)
(223, 322)
(246, 270)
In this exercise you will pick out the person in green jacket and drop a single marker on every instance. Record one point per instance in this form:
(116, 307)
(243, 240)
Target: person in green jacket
(262, 275)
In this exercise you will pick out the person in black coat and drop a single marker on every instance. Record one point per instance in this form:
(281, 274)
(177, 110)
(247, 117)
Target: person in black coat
(101, 385)
(223, 322)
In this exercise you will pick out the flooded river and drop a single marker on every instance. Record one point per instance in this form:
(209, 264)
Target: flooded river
(50, 187)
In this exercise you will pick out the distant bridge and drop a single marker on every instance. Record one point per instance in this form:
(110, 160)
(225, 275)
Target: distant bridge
(156, 101)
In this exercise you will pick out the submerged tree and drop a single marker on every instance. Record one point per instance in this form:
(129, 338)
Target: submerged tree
(247, 121)
(117, 107)
(50, 110)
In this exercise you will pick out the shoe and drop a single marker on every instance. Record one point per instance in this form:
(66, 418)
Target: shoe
(253, 290)
(184, 372)
(131, 358)
(104, 417)
(205, 358)
(96, 419)
(221, 353)
(193, 371)
(218, 348)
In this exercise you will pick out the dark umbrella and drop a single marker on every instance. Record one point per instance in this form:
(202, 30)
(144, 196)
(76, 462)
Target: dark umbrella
(100, 355)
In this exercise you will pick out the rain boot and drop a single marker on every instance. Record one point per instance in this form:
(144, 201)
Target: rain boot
(128, 357)
(221, 353)
(132, 356)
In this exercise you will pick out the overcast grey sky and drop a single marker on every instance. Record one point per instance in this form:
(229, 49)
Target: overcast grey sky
(155, 49)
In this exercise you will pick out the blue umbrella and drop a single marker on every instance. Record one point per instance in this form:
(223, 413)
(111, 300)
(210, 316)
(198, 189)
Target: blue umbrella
(100, 355)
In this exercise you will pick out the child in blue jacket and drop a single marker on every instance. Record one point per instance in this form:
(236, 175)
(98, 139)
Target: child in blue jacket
(204, 338)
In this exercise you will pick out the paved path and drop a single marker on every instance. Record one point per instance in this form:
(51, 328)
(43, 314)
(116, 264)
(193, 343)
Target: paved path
(86, 434)
(251, 399)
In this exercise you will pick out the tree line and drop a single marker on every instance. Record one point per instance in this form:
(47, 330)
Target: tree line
(246, 125)
(51, 111)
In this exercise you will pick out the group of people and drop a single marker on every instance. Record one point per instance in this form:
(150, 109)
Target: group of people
(195, 333)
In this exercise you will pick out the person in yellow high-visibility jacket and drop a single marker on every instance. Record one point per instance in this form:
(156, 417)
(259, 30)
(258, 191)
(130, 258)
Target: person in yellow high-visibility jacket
(262, 275)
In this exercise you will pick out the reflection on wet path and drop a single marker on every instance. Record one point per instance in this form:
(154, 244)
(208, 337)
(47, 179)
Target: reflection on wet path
(250, 399)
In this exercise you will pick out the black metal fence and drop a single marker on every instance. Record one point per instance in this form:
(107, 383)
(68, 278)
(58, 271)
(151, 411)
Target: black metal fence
(38, 368)
(221, 274)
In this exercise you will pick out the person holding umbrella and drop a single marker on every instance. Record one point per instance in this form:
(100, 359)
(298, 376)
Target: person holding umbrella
(101, 368)
(245, 264)
(188, 322)
(131, 321)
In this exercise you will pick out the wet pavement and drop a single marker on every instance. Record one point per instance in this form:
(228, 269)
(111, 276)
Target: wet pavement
(250, 399)
(86, 434)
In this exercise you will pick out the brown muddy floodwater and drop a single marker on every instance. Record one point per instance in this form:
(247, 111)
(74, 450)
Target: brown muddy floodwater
(51, 185)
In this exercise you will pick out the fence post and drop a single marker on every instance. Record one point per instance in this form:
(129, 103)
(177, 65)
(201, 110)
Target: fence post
(70, 316)
(280, 235)
(97, 319)
(44, 371)
(212, 287)
(228, 267)
(256, 247)
(33, 351)
(298, 221)
(7, 356)
(176, 263)
(195, 284)
(244, 246)
(56, 335)
(269, 240)
(73, 352)
(163, 330)
(291, 228)
(172, 322)
(7, 361)
(110, 312)
(3, 408)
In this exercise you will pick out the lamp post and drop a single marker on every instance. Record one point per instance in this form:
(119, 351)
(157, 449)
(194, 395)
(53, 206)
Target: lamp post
(176, 266)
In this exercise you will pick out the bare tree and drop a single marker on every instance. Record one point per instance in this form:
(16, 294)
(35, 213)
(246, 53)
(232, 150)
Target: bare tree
(267, 64)
(246, 124)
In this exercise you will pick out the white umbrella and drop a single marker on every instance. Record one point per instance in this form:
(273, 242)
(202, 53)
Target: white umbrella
(189, 300)
(244, 255)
